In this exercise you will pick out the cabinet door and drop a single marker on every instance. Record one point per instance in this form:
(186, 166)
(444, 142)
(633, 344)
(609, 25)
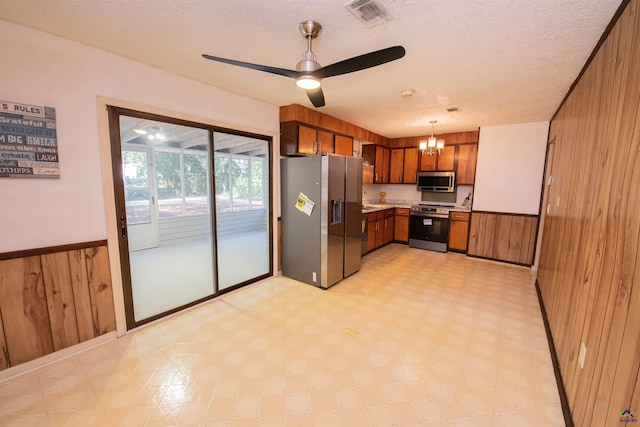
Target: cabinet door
(401, 228)
(379, 232)
(371, 232)
(427, 162)
(446, 158)
(381, 172)
(307, 140)
(386, 160)
(397, 166)
(458, 235)
(467, 159)
(344, 145)
(410, 169)
(388, 229)
(325, 142)
(368, 163)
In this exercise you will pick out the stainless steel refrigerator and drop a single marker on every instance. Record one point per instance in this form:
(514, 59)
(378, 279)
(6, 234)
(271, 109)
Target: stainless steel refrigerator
(321, 218)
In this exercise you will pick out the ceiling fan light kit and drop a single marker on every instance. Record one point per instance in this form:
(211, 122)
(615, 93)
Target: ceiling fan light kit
(309, 73)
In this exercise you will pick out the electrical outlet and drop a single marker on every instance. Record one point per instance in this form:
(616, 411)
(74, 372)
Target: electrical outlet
(315, 279)
(581, 355)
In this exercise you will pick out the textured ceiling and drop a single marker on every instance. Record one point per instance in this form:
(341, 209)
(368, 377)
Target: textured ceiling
(499, 61)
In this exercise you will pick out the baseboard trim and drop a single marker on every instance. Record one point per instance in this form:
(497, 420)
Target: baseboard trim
(32, 365)
(564, 401)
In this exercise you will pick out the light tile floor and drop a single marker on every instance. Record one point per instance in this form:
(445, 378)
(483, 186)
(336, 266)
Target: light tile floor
(416, 338)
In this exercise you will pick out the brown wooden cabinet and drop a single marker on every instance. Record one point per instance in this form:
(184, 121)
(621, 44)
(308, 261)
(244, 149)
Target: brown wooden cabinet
(460, 157)
(401, 226)
(372, 231)
(458, 231)
(388, 225)
(447, 158)
(344, 145)
(381, 170)
(379, 157)
(299, 139)
(380, 228)
(403, 166)
(467, 159)
(396, 167)
(410, 166)
(325, 142)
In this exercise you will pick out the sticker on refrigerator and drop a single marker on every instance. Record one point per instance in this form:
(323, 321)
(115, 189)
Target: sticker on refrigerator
(304, 204)
(427, 221)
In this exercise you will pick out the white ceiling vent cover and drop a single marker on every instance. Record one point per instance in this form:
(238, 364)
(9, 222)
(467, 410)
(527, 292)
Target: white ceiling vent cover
(370, 12)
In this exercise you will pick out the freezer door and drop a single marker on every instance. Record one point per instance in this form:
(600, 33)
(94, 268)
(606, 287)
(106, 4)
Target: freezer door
(333, 225)
(300, 231)
(353, 216)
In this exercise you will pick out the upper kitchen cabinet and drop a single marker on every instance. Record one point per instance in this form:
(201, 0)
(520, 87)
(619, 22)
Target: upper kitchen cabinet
(305, 131)
(467, 159)
(396, 167)
(344, 145)
(379, 157)
(297, 139)
(443, 161)
(381, 169)
(300, 139)
(403, 166)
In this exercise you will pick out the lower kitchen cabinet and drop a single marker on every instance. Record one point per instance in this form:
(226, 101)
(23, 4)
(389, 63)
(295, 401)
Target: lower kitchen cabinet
(372, 221)
(458, 231)
(401, 226)
(388, 225)
(380, 228)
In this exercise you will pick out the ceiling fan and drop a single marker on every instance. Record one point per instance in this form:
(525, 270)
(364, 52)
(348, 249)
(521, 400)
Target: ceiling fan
(309, 73)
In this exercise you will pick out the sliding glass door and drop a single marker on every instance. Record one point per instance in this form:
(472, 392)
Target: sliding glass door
(178, 244)
(242, 208)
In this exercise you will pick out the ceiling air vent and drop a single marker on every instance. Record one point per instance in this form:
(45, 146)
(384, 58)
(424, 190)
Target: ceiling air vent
(370, 12)
(453, 109)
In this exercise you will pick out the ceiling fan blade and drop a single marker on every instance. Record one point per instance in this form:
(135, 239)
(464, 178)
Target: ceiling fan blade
(316, 97)
(361, 62)
(265, 68)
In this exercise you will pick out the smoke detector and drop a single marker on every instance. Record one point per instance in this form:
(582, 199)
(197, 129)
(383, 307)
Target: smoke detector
(369, 12)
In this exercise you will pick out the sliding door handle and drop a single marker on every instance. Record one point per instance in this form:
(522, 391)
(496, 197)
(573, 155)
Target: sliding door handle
(123, 226)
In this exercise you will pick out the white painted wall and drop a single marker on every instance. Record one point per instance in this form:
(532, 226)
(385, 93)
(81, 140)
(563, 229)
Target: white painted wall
(41, 69)
(510, 168)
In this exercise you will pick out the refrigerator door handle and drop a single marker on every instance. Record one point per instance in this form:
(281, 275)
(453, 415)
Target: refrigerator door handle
(336, 212)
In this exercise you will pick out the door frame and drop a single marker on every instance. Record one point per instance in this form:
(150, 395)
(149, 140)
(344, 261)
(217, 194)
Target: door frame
(153, 196)
(110, 152)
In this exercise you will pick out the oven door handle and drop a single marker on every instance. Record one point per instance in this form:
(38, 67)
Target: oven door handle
(426, 215)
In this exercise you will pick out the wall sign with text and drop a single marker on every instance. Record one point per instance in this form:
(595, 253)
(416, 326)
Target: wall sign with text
(28, 141)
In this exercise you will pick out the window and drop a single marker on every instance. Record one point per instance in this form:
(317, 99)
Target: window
(182, 181)
(240, 182)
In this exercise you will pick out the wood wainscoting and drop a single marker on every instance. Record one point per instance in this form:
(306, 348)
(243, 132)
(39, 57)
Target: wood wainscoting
(53, 298)
(503, 237)
(589, 269)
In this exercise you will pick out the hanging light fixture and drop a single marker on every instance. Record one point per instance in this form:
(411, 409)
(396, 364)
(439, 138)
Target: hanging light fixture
(431, 143)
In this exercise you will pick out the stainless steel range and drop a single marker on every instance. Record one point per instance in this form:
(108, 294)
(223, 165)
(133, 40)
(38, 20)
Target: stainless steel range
(429, 226)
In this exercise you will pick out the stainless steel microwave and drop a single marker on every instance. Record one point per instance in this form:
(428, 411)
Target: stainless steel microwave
(440, 182)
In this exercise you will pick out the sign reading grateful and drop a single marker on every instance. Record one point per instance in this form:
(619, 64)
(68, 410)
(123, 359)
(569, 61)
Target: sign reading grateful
(28, 141)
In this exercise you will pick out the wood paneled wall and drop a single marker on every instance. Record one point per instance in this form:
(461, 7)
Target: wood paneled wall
(503, 237)
(53, 298)
(589, 274)
(302, 114)
(470, 137)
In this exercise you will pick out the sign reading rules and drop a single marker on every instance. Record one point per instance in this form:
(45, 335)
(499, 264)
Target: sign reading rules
(28, 141)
